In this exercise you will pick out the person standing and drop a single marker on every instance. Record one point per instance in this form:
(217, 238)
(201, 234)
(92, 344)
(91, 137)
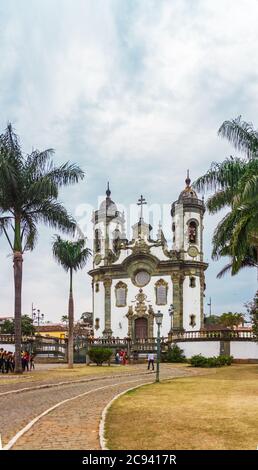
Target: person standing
(32, 365)
(150, 361)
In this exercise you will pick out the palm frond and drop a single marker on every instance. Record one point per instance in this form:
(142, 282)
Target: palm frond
(242, 135)
(70, 254)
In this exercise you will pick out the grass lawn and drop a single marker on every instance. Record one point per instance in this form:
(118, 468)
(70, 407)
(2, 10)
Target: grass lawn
(217, 410)
(63, 373)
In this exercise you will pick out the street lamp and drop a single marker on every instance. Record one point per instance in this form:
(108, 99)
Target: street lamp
(158, 317)
(38, 316)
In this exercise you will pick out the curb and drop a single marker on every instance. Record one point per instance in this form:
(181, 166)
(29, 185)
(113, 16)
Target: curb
(102, 440)
(20, 433)
(69, 382)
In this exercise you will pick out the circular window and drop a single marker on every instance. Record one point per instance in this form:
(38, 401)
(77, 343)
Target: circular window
(142, 278)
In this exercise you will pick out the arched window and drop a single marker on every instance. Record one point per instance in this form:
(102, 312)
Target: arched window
(174, 231)
(161, 288)
(192, 231)
(192, 282)
(121, 294)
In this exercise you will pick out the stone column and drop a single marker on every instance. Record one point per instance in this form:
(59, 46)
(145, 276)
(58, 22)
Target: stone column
(202, 285)
(177, 321)
(107, 285)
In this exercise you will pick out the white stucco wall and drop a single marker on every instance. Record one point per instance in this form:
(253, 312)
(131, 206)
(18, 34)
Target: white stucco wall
(8, 347)
(178, 220)
(206, 348)
(238, 349)
(191, 305)
(244, 349)
(159, 253)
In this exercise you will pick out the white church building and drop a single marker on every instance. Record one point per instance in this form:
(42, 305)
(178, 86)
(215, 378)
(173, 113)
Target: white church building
(133, 279)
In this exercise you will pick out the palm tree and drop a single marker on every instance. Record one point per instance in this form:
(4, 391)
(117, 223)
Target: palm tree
(235, 182)
(72, 256)
(29, 186)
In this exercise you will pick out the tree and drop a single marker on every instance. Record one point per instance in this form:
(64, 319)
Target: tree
(252, 310)
(27, 327)
(235, 185)
(7, 327)
(231, 319)
(29, 187)
(65, 319)
(212, 320)
(71, 256)
(87, 317)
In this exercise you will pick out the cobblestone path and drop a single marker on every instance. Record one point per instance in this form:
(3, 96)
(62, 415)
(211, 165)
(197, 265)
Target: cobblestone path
(73, 425)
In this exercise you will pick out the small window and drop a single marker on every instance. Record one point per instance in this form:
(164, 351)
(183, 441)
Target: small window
(121, 294)
(96, 323)
(192, 320)
(97, 240)
(97, 287)
(161, 288)
(192, 281)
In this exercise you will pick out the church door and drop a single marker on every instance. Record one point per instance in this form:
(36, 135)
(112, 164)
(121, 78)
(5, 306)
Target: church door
(141, 328)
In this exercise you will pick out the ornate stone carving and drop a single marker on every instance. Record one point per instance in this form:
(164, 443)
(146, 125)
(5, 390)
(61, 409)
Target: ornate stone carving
(141, 310)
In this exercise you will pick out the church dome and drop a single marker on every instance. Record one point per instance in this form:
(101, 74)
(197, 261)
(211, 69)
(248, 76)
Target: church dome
(188, 192)
(108, 206)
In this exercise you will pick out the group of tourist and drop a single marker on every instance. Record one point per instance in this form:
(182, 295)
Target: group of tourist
(7, 361)
(121, 357)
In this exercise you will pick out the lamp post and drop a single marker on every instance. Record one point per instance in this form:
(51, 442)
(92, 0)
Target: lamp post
(158, 318)
(38, 317)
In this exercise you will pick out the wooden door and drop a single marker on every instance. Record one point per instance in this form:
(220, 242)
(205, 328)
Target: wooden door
(141, 328)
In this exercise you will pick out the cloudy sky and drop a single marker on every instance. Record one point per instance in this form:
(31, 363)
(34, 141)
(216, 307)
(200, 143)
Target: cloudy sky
(134, 91)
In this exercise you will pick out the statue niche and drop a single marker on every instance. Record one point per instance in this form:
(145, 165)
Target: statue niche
(192, 232)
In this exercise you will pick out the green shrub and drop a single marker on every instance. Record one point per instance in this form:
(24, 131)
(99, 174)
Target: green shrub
(198, 361)
(225, 360)
(175, 354)
(100, 355)
(201, 361)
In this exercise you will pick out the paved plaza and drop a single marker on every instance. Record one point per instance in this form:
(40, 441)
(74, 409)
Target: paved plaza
(74, 424)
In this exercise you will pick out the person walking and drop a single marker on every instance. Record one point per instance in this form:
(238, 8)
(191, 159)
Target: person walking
(150, 361)
(117, 358)
(32, 365)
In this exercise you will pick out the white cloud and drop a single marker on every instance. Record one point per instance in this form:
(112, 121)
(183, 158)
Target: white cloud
(135, 92)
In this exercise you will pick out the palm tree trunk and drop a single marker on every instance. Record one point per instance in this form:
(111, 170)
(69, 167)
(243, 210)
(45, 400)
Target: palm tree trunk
(17, 267)
(71, 321)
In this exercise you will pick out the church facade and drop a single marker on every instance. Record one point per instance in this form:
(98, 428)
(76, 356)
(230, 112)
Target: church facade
(134, 278)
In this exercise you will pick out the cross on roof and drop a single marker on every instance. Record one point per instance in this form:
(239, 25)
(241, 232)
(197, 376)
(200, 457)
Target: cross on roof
(141, 202)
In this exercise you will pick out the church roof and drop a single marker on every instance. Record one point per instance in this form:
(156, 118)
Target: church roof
(188, 192)
(108, 206)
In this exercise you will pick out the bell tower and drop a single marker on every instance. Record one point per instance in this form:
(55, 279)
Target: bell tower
(187, 228)
(187, 223)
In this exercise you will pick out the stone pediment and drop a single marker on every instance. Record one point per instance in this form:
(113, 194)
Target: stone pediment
(139, 261)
